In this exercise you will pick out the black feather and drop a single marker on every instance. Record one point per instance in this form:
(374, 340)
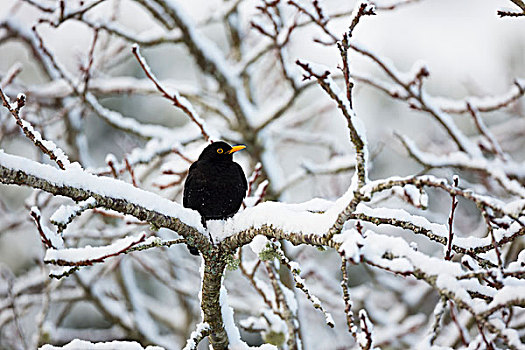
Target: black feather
(216, 185)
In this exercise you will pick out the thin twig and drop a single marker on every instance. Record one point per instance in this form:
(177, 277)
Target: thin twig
(448, 253)
(28, 129)
(175, 97)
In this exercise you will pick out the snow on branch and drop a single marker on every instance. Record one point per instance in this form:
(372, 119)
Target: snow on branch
(174, 97)
(143, 205)
(200, 332)
(66, 213)
(485, 103)
(147, 39)
(125, 198)
(520, 4)
(400, 257)
(113, 118)
(357, 134)
(300, 283)
(11, 74)
(107, 192)
(66, 261)
(47, 147)
(88, 255)
(50, 239)
(503, 172)
(153, 149)
(117, 120)
(396, 256)
(211, 61)
(413, 87)
(82, 344)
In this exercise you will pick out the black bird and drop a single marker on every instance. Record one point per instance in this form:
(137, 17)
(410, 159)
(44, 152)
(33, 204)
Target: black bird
(216, 185)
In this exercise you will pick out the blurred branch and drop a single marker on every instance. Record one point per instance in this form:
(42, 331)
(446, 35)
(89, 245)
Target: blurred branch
(518, 3)
(247, 86)
(177, 100)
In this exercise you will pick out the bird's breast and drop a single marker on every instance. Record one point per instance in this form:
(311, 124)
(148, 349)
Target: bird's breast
(215, 189)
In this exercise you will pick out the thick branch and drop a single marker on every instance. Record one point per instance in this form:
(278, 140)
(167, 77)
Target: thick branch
(138, 203)
(210, 304)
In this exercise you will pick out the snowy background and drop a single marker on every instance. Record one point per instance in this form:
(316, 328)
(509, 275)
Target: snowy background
(151, 297)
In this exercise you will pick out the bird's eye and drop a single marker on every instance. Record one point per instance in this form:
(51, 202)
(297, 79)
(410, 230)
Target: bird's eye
(220, 150)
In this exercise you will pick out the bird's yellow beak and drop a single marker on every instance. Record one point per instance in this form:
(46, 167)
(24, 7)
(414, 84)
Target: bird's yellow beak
(236, 148)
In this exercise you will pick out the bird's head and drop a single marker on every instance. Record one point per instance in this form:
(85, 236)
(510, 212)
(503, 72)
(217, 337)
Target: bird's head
(220, 151)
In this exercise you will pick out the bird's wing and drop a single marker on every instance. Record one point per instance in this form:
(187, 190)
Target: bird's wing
(244, 183)
(187, 197)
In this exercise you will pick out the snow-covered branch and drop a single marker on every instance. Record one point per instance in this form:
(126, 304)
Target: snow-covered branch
(332, 248)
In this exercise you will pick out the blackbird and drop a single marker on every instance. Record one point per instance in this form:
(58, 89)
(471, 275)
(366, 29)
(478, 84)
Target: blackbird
(216, 185)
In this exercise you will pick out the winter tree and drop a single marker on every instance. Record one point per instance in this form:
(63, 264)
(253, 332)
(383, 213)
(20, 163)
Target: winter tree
(385, 163)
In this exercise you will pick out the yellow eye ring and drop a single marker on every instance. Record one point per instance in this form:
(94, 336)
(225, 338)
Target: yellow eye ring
(220, 151)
